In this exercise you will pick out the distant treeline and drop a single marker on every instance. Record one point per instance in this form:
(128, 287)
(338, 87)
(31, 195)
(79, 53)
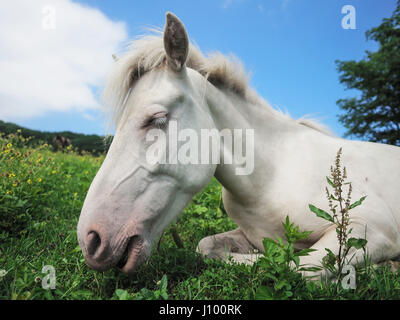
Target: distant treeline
(90, 143)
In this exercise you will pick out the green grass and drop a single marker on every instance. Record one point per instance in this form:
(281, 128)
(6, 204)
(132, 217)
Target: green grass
(41, 194)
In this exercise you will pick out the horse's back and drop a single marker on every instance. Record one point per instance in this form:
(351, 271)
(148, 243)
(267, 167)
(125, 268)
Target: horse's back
(375, 169)
(305, 161)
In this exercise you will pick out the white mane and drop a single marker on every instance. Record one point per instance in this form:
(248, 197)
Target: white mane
(147, 53)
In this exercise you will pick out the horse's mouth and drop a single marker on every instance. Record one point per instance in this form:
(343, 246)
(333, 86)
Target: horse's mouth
(131, 256)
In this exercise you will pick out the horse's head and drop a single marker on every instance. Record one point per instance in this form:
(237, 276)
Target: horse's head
(134, 198)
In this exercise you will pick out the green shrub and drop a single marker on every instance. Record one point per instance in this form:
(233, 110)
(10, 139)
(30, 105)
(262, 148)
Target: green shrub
(280, 264)
(34, 180)
(339, 207)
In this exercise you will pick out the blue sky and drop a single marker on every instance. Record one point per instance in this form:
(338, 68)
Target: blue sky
(288, 46)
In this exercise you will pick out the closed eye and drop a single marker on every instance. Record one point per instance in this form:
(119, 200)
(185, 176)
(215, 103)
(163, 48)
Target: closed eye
(158, 120)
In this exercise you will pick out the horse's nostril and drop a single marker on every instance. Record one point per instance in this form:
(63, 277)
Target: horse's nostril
(93, 242)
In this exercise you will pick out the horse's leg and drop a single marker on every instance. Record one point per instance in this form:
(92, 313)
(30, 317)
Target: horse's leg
(383, 244)
(228, 244)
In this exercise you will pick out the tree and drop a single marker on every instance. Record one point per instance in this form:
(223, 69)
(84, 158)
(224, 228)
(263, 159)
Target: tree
(375, 115)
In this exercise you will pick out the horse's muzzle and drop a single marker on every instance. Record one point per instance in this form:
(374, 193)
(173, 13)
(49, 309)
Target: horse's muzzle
(102, 254)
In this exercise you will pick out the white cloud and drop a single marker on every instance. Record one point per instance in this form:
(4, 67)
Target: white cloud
(51, 64)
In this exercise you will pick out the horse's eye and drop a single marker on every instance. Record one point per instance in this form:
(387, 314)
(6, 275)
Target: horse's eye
(158, 120)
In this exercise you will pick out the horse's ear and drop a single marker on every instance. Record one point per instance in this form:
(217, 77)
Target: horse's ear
(176, 42)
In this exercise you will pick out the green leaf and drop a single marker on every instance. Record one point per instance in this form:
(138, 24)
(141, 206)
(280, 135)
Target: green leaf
(280, 241)
(77, 249)
(122, 294)
(330, 253)
(304, 252)
(330, 182)
(164, 283)
(311, 269)
(333, 197)
(356, 243)
(289, 294)
(264, 293)
(164, 295)
(321, 213)
(329, 260)
(269, 244)
(21, 203)
(280, 284)
(357, 203)
(303, 235)
(296, 260)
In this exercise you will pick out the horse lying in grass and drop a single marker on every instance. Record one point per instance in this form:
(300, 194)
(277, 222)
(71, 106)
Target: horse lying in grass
(165, 82)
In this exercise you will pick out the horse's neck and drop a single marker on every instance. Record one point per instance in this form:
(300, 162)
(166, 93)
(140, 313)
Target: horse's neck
(232, 112)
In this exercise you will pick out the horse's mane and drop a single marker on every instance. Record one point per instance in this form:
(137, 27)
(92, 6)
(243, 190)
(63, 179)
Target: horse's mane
(147, 53)
(316, 125)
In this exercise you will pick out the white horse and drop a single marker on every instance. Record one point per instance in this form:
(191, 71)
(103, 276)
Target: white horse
(130, 202)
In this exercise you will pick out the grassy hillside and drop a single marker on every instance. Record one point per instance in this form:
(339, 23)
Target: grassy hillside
(41, 195)
(81, 142)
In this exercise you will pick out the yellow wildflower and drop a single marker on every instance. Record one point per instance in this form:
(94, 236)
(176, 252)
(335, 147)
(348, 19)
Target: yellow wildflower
(29, 181)
(39, 179)
(9, 145)
(11, 175)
